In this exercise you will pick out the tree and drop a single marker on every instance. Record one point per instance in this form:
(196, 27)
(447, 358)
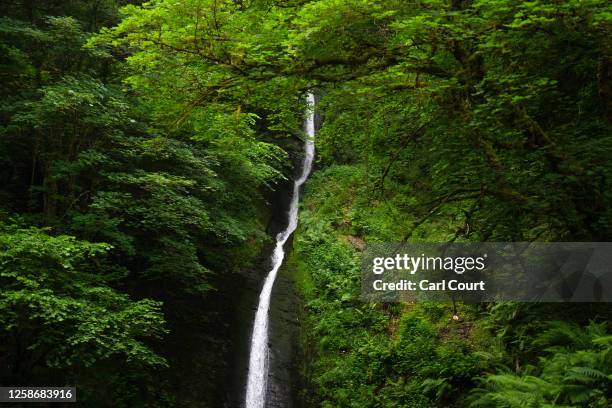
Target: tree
(59, 309)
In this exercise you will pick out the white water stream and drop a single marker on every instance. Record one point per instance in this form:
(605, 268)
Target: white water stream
(258, 361)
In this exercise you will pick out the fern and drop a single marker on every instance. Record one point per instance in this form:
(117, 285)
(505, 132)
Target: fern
(576, 372)
(584, 374)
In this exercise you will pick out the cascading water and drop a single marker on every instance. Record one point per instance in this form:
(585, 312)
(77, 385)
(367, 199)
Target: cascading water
(258, 361)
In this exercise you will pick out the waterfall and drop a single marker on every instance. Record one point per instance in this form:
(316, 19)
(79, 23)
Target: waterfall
(258, 361)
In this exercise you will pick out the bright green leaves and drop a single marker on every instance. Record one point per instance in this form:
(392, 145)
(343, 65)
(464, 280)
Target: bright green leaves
(192, 54)
(232, 139)
(62, 252)
(56, 302)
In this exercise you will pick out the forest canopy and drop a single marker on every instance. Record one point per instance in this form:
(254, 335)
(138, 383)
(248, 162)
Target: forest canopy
(141, 144)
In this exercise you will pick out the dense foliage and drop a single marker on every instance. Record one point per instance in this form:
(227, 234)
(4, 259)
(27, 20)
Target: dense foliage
(484, 120)
(139, 144)
(416, 354)
(113, 214)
